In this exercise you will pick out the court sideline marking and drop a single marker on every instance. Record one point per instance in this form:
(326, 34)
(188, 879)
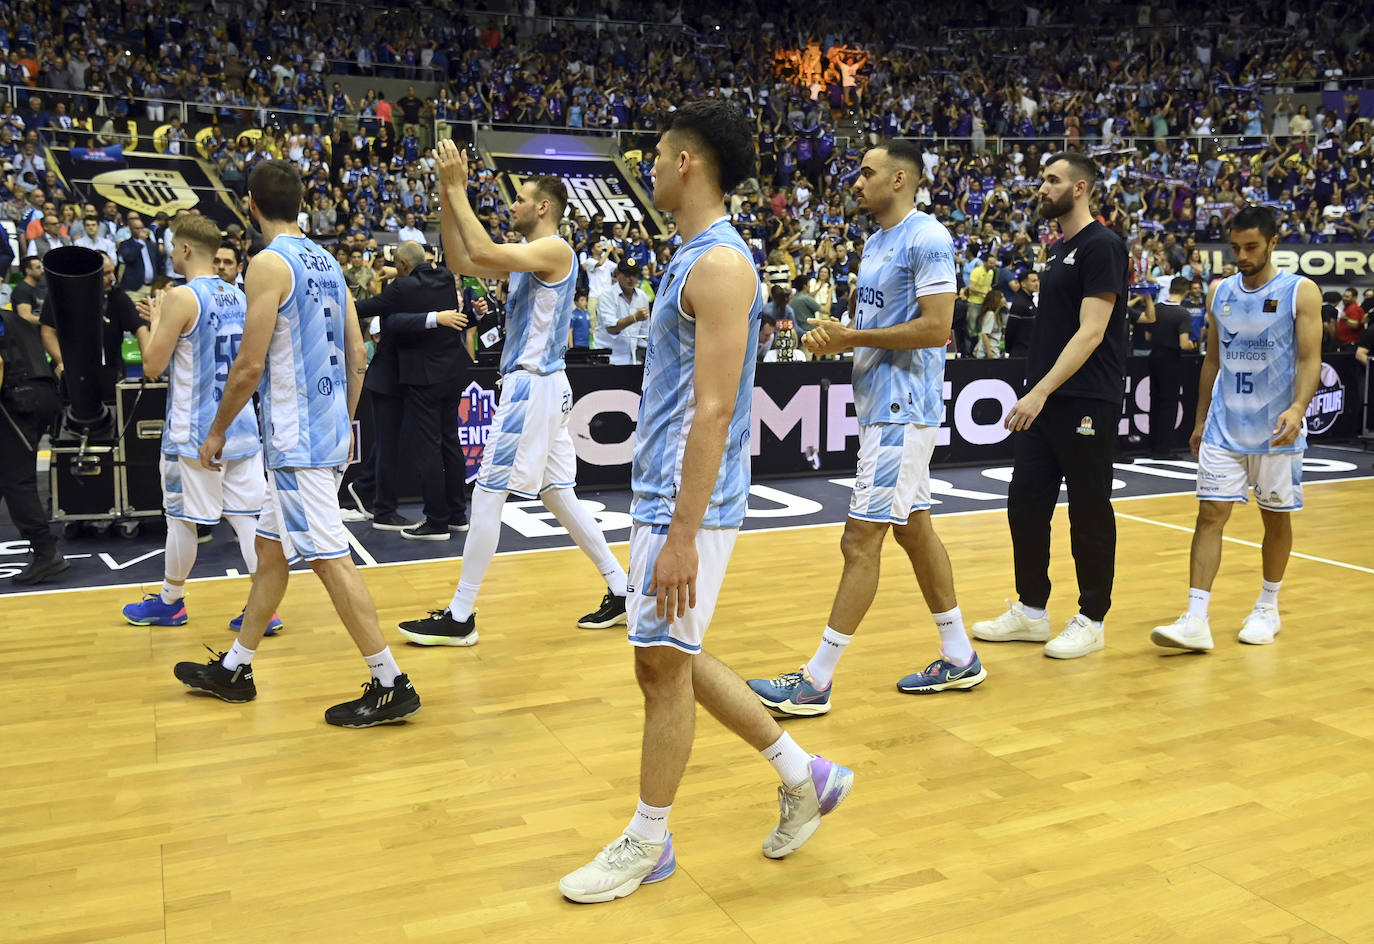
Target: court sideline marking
(1002, 509)
(1227, 537)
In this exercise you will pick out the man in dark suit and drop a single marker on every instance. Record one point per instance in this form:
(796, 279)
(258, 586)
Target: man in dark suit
(140, 261)
(1025, 305)
(417, 377)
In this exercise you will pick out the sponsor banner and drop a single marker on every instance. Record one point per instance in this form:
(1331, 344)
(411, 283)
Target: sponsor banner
(147, 184)
(803, 416)
(1336, 263)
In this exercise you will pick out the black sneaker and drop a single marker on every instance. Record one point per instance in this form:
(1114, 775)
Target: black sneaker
(391, 522)
(458, 523)
(440, 629)
(611, 611)
(45, 565)
(426, 531)
(205, 533)
(212, 678)
(378, 705)
(358, 503)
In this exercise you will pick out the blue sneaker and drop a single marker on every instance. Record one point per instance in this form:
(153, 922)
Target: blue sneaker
(151, 611)
(943, 675)
(801, 807)
(273, 625)
(792, 693)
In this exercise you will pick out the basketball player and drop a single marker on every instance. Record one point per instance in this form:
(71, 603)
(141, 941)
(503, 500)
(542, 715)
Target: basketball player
(691, 488)
(900, 312)
(301, 324)
(529, 451)
(1067, 419)
(1262, 368)
(195, 330)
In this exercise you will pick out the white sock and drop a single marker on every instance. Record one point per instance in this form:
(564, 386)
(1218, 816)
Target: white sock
(1198, 601)
(827, 657)
(1269, 593)
(484, 520)
(180, 557)
(1033, 612)
(383, 667)
(954, 642)
(246, 530)
(237, 655)
(580, 524)
(650, 822)
(791, 762)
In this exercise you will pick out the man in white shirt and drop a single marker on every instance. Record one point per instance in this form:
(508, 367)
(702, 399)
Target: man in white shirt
(621, 315)
(600, 269)
(95, 238)
(410, 233)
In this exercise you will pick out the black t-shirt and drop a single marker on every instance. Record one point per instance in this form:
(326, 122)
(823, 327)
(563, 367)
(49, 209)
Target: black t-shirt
(34, 295)
(120, 315)
(1367, 339)
(1170, 321)
(1092, 263)
(410, 109)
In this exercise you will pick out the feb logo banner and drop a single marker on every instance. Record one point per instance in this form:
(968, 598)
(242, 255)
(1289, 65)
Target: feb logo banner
(147, 190)
(475, 411)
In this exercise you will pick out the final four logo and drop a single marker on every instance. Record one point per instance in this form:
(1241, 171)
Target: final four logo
(475, 411)
(1328, 402)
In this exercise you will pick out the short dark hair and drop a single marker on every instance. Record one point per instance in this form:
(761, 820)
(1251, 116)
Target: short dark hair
(1179, 285)
(900, 149)
(1082, 166)
(229, 244)
(1256, 217)
(277, 189)
(722, 132)
(554, 190)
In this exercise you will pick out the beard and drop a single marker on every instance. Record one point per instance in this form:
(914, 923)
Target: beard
(1054, 209)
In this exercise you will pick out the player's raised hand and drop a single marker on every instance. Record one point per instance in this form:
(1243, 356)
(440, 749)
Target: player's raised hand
(452, 164)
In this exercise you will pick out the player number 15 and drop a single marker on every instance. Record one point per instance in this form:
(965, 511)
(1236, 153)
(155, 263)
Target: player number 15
(1244, 384)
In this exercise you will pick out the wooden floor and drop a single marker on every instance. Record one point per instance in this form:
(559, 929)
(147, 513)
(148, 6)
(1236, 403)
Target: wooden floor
(1128, 796)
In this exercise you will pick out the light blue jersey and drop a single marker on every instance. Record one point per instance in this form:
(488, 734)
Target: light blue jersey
(1259, 365)
(669, 401)
(304, 388)
(537, 319)
(900, 265)
(199, 369)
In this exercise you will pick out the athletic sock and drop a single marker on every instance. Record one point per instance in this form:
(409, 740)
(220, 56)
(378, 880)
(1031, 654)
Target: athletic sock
(478, 549)
(1269, 593)
(650, 823)
(246, 530)
(584, 530)
(791, 762)
(827, 657)
(1033, 612)
(171, 594)
(1198, 601)
(237, 655)
(383, 667)
(954, 642)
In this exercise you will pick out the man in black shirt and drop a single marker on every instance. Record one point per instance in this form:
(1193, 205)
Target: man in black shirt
(1025, 305)
(1067, 419)
(1169, 338)
(31, 292)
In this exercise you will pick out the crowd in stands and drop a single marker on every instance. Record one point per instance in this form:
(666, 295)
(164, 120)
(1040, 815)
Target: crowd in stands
(1172, 102)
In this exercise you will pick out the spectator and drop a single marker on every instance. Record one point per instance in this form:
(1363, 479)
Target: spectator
(140, 261)
(1352, 321)
(621, 314)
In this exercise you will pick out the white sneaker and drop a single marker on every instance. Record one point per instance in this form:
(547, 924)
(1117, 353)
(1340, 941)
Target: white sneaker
(1014, 626)
(619, 869)
(801, 807)
(1261, 626)
(1186, 632)
(1078, 639)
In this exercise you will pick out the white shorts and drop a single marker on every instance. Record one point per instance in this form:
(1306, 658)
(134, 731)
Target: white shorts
(1228, 476)
(641, 605)
(893, 479)
(529, 448)
(302, 514)
(192, 492)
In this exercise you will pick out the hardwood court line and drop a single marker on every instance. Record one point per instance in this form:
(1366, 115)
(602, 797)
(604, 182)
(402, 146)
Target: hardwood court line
(1001, 508)
(357, 545)
(1227, 537)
